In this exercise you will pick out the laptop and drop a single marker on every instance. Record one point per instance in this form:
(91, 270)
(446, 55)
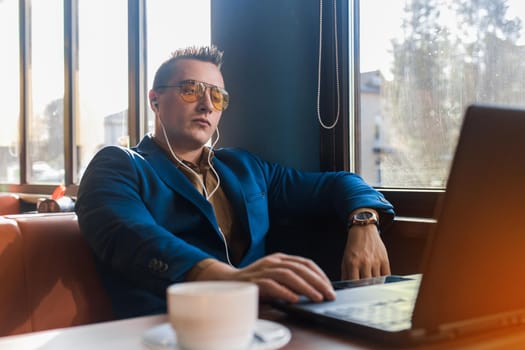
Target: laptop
(473, 275)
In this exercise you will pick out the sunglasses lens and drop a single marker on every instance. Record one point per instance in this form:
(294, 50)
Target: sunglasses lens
(219, 98)
(190, 91)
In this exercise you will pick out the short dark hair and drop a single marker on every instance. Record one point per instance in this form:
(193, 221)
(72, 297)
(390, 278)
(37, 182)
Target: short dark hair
(202, 53)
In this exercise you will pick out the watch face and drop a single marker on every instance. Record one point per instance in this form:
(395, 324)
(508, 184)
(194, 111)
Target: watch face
(364, 215)
(363, 218)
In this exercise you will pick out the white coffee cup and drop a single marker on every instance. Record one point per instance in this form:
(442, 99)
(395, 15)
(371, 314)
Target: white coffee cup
(218, 315)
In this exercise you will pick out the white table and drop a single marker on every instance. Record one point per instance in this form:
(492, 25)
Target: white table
(123, 334)
(127, 335)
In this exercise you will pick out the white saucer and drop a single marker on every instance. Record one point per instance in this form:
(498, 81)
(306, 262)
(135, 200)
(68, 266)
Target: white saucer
(269, 336)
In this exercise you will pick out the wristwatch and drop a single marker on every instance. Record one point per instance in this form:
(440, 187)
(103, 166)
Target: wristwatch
(363, 218)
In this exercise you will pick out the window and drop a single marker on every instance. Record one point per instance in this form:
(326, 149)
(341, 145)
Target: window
(9, 92)
(102, 78)
(167, 20)
(420, 66)
(45, 136)
(77, 57)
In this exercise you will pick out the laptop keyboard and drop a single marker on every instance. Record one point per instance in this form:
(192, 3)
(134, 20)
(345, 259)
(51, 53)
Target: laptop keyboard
(393, 315)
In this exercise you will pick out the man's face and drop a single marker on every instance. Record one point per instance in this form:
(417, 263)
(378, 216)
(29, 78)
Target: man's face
(189, 125)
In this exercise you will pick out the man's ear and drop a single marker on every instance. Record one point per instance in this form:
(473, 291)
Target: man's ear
(153, 100)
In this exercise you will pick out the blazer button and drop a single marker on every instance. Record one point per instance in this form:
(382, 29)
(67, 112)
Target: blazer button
(153, 264)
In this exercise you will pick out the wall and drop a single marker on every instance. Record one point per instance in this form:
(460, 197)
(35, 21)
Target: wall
(270, 70)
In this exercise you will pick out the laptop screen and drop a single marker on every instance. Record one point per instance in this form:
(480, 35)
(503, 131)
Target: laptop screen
(474, 266)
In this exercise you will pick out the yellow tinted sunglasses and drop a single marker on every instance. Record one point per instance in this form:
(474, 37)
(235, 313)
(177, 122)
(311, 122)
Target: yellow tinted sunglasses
(193, 90)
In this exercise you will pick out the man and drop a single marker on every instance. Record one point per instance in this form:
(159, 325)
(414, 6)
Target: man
(172, 209)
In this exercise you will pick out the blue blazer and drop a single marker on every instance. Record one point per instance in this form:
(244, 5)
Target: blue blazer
(148, 225)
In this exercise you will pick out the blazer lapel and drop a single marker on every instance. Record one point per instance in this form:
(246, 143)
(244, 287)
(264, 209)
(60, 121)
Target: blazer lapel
(173, 177)
(233, 189)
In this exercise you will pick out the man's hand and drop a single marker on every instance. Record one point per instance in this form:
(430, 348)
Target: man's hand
(279, 276)
(286, 277)
(365, 254)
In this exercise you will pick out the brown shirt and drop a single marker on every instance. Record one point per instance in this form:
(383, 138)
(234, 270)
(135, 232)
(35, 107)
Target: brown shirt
(226, 219)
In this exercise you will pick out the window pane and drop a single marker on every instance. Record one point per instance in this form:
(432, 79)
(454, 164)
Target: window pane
(172, 25)
(420, 67)
(46, 120)
(9, 92)
(103, 78)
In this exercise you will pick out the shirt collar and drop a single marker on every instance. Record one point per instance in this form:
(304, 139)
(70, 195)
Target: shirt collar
(202, 166)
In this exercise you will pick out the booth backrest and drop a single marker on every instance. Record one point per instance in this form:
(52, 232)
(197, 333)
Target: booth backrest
(48, 276)
(9, 203)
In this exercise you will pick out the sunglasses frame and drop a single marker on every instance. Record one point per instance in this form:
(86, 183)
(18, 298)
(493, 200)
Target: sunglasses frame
(200, 90)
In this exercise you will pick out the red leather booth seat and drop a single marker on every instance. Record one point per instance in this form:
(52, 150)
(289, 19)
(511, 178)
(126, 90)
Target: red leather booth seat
(47, 275)
(9, 203)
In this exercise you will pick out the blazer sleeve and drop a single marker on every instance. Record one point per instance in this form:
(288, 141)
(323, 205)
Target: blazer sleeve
(121, 229)
(300, 193)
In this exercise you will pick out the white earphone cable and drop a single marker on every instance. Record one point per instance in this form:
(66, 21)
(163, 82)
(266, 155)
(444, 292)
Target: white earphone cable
(226, 249)
(208, 196)
(211, 166)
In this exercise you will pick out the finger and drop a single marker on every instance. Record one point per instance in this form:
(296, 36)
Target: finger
(376, 270)
(354, 275)
(270, 289)
(385, 268)
(365, 271)
(308, 263)
(314, 267)
(295, 282)
(295, 273)
(311, 278)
